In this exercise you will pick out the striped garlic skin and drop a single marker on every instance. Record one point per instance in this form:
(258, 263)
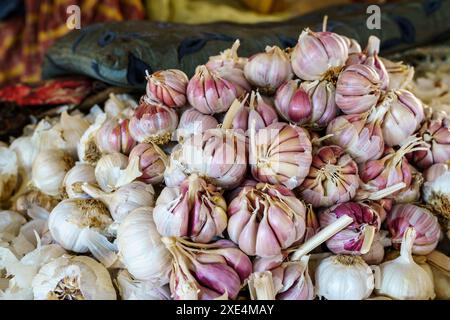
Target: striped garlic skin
(168, 87)
(114, 136)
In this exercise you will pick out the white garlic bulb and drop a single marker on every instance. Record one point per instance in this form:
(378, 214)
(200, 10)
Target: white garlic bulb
(9, 171)
(125, 199)
(49, 170)
(10, 223)
(73, 278)
(344, 277)
(72, 128)
(121, 105)
(114, 170)
(141, 249)
(132, 289)
(87, 149)
(26, 151)
(75, 177)
(81, 225)
(436, 190)
(402, 278)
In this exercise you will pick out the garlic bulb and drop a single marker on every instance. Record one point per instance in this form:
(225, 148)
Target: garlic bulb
(319, 55)
(229, 57)
(357, 237)
(141, 249)
(114, 170)
(81, 225)
(333, 178)
(87, 148)
(268, 70)
(8, 173)
(168, 87)
(73, 278)
(119, 105)
(411, 193)
(26, 151)
(195, 209)
(265, 219)
(10, 223)
(132, 289)
(72, 128)
(280, 154)
(206, 271)
(152, 162)
(125, 199)
(174, 174)
(423, 221)
(114, 136)
(404, 279)
(49, 169)
(352, 44)
(193, 122)
(435, 190)
(75, 177)
(32, 198)
(344, 277)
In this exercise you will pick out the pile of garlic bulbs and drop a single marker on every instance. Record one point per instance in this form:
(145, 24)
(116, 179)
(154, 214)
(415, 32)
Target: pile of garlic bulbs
(306, 173)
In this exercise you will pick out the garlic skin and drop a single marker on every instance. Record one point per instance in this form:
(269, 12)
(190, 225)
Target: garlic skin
(31, 198)
(412, 193)
(400, 75)
(402, 105)
(168, 87)
(318, 55)
(344, 277)
(73, 278)
(352, 44)
(152, 162)
(174, 173)
(265, 219)
(132, 289)
(114, 136)
(268, 70)
(229, 58)
(49, 170)
(72, 128)
(195, 209)
(358, 89)
(87, 148)
(9, 171)
(75, 177)
(376, 252)
(292, 102)
(403, 216)
(141, 249)
(81, 225)
(333, 178)
(280, 154)
(26, 151)
(402, 278)
(435, 190)
(193, 122)
(10, 223)
(125, 199)
(119, 105)
(153, 123)
(115, 170)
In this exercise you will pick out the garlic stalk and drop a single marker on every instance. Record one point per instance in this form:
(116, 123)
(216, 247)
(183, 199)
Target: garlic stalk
(404, 279)
(75, 177)
(125, 199)
(132, 289)
(115, 170)
(261, 287)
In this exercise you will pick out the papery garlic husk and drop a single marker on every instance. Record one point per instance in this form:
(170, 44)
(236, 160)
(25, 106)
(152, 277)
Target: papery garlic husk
(9, 171)
(49, 169)
(87, 148)
(132, 289)
(333, 178)
(319, 55)
(141, 249)
(370, 57)
(75, 177)
(153, 123)
(72, 128)
(280, 154)
(32, 198)
(344, 277)
(81, 225)
(174, 173)
(254, 109)
(376, 252)
(291, 280)
(436, 135)
(213, 91)
(73, 278)
(403, 216)
(439, 264)
(114, 136)
(435, 190)
(10, 223)
(229, 58)
(358, 89)
(217, 155)
(312, 225)
(124, 200)
(168, 87)
(115, 170)
(352, 44)
(404, 279)
(404, 116)
(26, 151)
(400, 75)
(206, 271)
(193, 122)
(195, 209)
(411, 193)
(120, 105)
(152, 162)
(268, 70)
(357, 238)
(265, 219)
(359, 134)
